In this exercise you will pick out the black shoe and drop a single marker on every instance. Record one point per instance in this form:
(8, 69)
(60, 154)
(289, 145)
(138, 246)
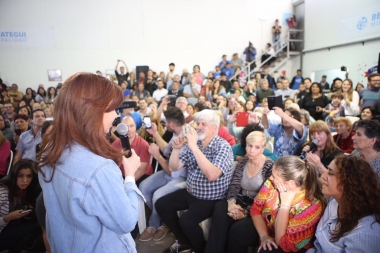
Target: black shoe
(177, 248)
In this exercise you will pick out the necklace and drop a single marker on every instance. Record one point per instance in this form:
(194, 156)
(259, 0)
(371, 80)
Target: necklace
(255, 166)
(315, 97)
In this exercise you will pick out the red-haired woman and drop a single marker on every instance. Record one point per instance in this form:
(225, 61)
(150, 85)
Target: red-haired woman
(85, 196)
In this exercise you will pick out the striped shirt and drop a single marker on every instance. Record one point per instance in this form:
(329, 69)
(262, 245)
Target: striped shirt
(4, 205)
(235, 186)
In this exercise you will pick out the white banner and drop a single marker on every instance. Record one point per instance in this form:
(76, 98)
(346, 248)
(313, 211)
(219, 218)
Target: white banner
(27, 37)
(364, 22)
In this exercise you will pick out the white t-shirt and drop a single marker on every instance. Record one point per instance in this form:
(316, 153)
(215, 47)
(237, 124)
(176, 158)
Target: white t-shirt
(158, 94)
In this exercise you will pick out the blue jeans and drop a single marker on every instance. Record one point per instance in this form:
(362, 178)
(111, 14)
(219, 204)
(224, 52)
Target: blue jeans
(156, 186)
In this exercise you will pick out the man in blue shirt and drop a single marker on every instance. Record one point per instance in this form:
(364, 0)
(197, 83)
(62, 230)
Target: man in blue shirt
(369, 96)
(224, 62)
(26, 146)
(250, 55)
(295, 83)
(228, 70)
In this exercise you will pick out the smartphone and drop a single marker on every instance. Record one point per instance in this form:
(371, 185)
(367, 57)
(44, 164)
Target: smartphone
(242, 119)
(26, 211)
(147, 122)
(185, 129)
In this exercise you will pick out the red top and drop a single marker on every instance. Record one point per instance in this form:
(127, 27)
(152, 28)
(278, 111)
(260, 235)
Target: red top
(141, 148)
(5, 151)
(346, 145)
(223, 133)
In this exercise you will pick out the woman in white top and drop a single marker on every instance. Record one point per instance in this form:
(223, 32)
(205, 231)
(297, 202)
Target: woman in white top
(350, 100)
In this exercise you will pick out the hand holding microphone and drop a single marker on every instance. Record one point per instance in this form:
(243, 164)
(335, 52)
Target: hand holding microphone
(131, 161)
(312, 148)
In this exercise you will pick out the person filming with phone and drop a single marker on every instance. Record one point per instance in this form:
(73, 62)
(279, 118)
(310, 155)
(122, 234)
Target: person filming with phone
(89, 207)
(208, 159)
(288, 136)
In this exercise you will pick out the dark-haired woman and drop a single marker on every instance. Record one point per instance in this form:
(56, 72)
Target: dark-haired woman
(314, 102)
(82, 166)
(366, 143)
(51, 95)
(28, 95)
(41, 95)
(5, 150)
(18, 193)
(5, 128)
(285, 212)
(351, 221)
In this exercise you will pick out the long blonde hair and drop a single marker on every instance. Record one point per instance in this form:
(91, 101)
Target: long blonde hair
(351, 91)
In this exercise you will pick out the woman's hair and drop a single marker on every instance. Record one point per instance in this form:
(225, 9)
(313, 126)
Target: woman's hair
(10, 181)
(219, 113)
(45, 127)
(216, 91)
(351, 91)
(192, 106)
(373, 111)
(302, 173)
(48, 92)
(247, 130)
(242, 105)
(295, 114)
(27, 108)
(357, 86)
(306, 114)
(6, 123)
(344, 120)
(318, 85)
(2, 139)
(252, 104)
(361, 193)
(31, 91)
(320, 125)
(147, 136)
(256, 136)
(371, 129)
(78, 115)
(43, 93)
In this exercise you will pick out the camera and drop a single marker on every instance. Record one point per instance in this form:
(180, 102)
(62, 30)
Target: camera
(172, 99)
(343, 68)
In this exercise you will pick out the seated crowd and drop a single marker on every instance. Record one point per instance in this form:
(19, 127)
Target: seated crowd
(281, 179)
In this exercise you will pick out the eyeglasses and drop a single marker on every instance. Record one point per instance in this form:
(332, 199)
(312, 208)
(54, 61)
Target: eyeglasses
(7, 107)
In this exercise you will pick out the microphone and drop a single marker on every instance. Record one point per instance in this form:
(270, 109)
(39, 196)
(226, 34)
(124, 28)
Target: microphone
(122, 130)
(313, 147)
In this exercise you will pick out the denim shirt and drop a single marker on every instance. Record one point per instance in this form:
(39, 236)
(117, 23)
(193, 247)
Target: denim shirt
(364, 238)
(88, 207)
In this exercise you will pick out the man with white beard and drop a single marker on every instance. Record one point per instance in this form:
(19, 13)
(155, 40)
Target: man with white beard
(208, 160)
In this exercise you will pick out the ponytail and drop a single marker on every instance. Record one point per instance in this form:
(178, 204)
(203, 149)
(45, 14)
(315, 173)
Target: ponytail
(312, 184)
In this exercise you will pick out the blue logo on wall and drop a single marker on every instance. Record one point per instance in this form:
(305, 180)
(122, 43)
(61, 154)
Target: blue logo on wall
(362, 23)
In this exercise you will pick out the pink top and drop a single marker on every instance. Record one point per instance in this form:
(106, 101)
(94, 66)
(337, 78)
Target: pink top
(5, 151)
(198, 78)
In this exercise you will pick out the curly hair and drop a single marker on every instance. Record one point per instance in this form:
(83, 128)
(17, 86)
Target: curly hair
(247, 130)
(360, 185)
